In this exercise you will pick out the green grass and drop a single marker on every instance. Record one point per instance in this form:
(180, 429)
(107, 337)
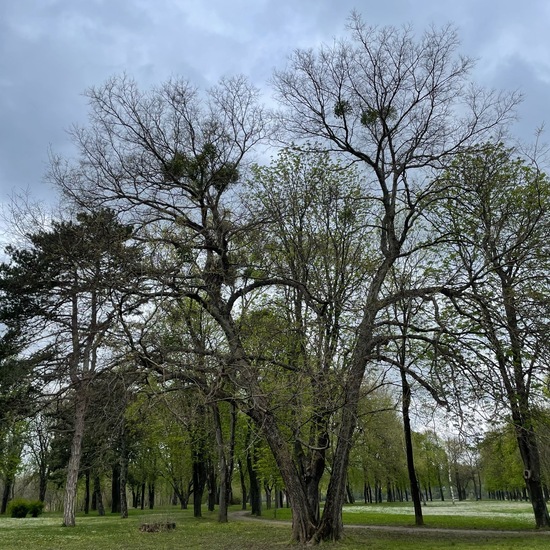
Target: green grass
(503, 516)
(461, 515)
(112, 533)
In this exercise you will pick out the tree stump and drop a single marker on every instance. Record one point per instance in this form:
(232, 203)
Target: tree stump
(157, 526)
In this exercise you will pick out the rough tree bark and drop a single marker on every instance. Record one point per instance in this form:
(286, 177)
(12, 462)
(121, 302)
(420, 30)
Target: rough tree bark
(69, 502)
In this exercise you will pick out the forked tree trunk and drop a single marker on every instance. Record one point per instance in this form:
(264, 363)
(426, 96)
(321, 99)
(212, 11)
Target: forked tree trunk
(181, 494)
(314, 468)
(303, 516)
(267, 490)
(331, 525)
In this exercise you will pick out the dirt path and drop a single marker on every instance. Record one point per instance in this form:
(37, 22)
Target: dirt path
(244, 515)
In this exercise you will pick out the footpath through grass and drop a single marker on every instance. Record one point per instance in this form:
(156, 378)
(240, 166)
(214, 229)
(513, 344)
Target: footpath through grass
(112, 533)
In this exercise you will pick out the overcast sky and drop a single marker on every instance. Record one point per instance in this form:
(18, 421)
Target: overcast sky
(53, 50)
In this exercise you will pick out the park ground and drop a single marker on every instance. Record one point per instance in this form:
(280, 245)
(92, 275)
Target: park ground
(464, 525)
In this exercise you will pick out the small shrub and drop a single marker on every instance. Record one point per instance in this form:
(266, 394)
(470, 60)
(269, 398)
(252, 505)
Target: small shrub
(36, 507)
(18, 508)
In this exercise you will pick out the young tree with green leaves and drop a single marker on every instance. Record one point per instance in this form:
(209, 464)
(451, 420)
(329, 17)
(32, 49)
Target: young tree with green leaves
(377, 459)
(501, 464)
(496, 224)
(313, 233)
(431, 462)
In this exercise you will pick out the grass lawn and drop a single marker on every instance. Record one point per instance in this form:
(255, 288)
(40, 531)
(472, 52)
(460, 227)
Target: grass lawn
(460, 515)
(504, 516)
(112, 533)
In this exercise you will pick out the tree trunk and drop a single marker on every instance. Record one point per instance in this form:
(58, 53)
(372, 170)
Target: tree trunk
(199, 479)
(518, 396)
(151, 492)
(71, 485)
(42, 485)
(97, 496)
(480, 496)
(87, 492)
(8, 482)
(331, 525)
(123, 475)
(181, 494)
(531, 461)
(267, 490)
(255, 493)
(303, 516)
(225, 462)
(349, 494)
(458, 482)
(242, 478)
(115, 489)
(314, 473)
(211, 485)
(184, 499)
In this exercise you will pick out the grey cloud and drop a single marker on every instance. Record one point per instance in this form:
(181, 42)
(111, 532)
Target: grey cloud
(52, 50)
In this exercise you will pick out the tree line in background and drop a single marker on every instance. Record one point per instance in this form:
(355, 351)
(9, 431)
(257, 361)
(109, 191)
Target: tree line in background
(204, 317)
(171, 448)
